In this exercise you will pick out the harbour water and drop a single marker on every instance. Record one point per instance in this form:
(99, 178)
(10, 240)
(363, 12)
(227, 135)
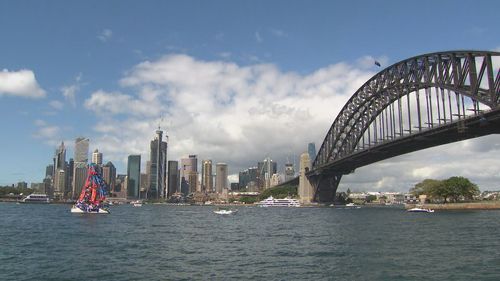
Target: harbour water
(160, 242)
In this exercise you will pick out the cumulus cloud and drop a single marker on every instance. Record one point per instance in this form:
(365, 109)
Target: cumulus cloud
(20, 83)
(47, 133)
(56, 104)
(105, 35)
(236, 114)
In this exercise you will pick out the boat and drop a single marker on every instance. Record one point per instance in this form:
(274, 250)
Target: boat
(274, 202)
(137, 203)
(352, 206)
(93, 195)
(223, 211)
(420, 210)
(36, 198)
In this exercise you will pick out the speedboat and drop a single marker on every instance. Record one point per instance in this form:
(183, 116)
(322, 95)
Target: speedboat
(225, 212)
(137, 203)
(420, 210)
(352, 206)
(36, 198)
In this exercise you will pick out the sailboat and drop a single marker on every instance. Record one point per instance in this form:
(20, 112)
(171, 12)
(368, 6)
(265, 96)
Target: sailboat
(91, 199)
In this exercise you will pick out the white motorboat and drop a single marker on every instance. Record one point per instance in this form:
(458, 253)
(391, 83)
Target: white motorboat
(137, 203)
(225, 212)
(352, 206)
(273, 202)
(420, 210)
(36, 198)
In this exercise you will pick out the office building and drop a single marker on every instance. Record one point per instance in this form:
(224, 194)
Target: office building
(266, 169)
(173, 178)
(206, 176)
(97, 157)
(289, 172)
(220, 177)
(133, 176)
(109, 175)
(82, 150)
(79, 179)
(311, 150)
(189, 173)
(59, 170)
(158, 166)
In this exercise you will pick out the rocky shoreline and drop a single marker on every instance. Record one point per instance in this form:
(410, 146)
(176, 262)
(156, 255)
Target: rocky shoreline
(484, 205)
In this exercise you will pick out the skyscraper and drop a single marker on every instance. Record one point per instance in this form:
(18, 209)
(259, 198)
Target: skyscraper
(97, 157)
(189, 173)
(82, 150)
(289, 172)
(133, 176)
(158, 172)
(173, 178)
(206, 176)
(59, 174)
(220, 177)
(266, 170)
(311, 150)
(80, 159)
(109, 175)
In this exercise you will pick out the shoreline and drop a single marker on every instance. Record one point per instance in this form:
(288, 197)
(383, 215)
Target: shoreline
(484, 205)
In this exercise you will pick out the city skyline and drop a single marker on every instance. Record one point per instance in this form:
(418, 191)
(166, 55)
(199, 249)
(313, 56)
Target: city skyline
(237, 94)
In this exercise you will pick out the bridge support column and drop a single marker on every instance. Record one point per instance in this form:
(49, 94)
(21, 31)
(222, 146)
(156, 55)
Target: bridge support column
(325, 187)
(306, 191)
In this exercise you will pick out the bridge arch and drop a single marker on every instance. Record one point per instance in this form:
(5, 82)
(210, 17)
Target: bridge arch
(462, 78)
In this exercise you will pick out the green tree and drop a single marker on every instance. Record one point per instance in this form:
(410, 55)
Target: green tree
(460, 187)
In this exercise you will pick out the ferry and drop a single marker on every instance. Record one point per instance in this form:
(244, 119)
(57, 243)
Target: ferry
(273, 202)
(36, 198)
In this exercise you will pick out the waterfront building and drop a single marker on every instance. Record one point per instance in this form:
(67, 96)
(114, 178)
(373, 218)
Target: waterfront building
(235, 186)
(289, 172)
(266, 169)
(173, 178)
(49, 171)
(109, 175)
(311, 150)
(97, 157)
(206, 176)
(133, 176)
(59, 170)
(79, 178)
(120, 186)
(189, 173)
(158, 166)
(220, 177)
(275, 180)
(143, 188)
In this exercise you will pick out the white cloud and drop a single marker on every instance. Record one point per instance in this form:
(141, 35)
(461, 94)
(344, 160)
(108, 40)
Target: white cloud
(105, 35)
(278, 32)
(56, 104)
(20, 83)
(241, 114)
(49, 134)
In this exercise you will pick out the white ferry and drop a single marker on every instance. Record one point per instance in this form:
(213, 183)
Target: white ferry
(273, 202)
(36, 198)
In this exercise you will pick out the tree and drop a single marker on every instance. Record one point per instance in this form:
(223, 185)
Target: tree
(426, 187)
(453, 188)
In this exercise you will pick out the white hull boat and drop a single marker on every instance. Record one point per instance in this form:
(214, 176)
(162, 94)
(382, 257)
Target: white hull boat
(225, 212)
(77, 210)
(420, 210)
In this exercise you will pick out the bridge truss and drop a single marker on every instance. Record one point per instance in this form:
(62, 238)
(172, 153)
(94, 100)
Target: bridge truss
(429, 95)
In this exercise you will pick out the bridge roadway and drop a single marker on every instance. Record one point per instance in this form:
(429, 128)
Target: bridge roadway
(479, 125)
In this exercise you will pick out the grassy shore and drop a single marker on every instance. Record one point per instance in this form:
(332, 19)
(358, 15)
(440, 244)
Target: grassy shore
(482, 205)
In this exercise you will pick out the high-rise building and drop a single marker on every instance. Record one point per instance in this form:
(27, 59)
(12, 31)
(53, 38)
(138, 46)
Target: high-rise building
(189, 173)
(220, 177)
(173, 178)
(49, 171)
(158, 172)
(59, 171)
(97, 157)
(79, 178)
(311, 150)
(266, 170)
(133, 176)
(206, 176)
(109, 175)
(82, 150)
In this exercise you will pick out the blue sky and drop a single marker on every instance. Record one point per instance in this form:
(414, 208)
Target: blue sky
(96, 68)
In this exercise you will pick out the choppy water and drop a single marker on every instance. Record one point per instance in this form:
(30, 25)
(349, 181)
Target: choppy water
(158, 242)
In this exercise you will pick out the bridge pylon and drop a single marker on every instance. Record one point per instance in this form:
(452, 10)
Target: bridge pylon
(325, 187)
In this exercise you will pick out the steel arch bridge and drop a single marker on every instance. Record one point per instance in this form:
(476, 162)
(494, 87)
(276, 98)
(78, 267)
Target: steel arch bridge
(414, 104)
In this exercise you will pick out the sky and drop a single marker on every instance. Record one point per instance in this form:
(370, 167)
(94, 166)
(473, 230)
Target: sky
(230, 81)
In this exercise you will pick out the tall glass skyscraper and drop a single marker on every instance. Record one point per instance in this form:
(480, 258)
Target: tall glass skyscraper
(206, 176)
(173, 178)
(311, 150)
(133, 176)
(158, 166)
